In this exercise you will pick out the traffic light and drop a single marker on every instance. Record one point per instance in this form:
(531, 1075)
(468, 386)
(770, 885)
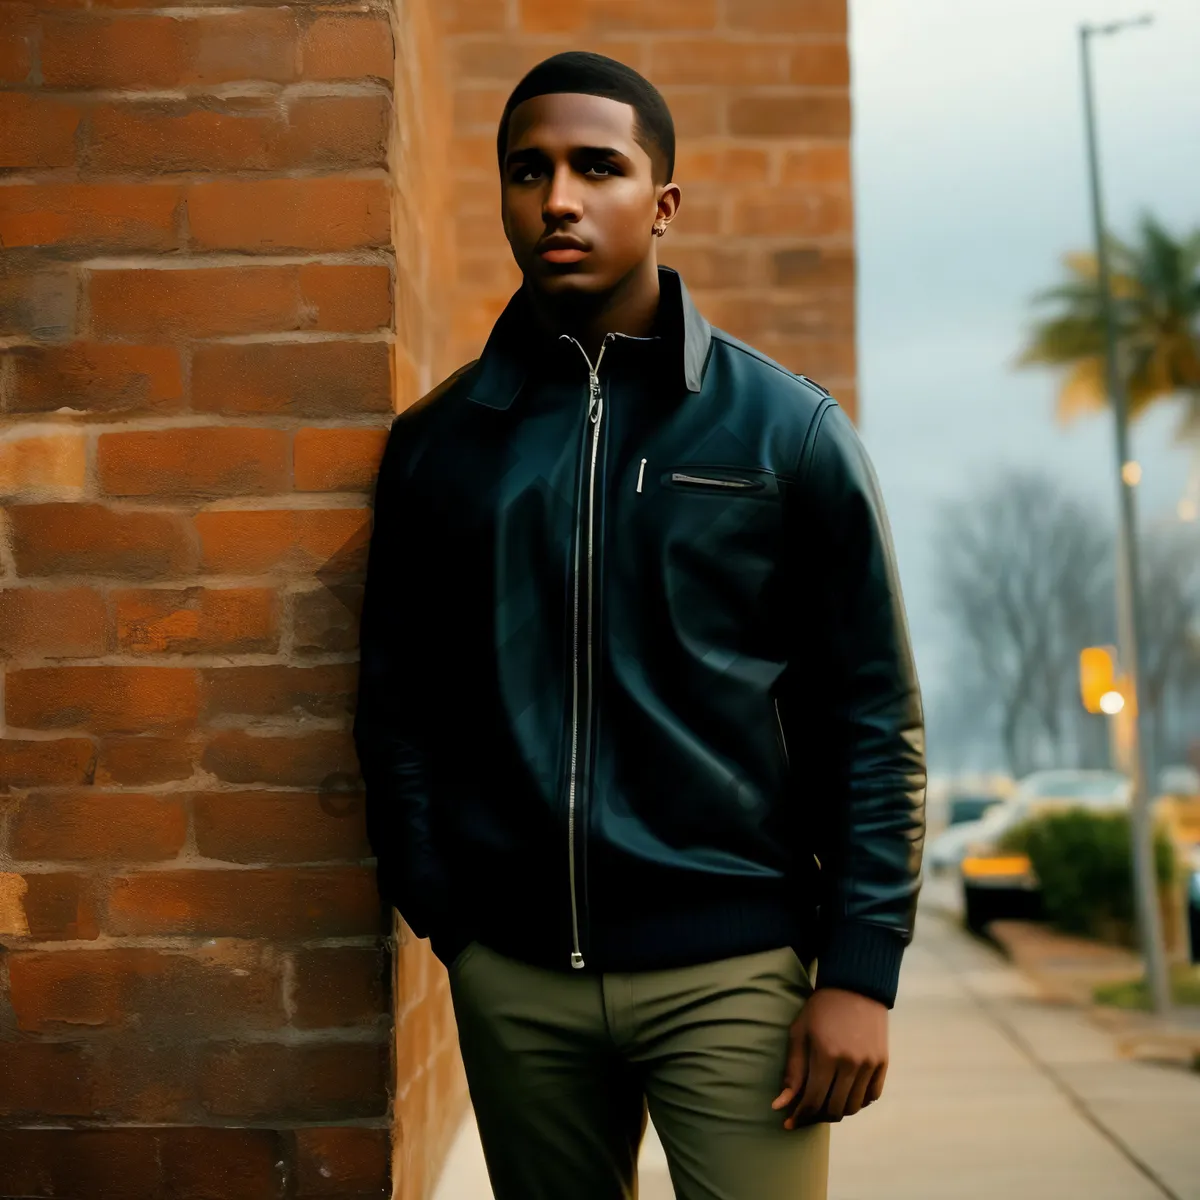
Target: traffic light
(1098, 682)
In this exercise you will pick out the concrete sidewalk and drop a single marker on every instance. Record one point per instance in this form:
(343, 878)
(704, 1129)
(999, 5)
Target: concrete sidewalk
(992, 1095)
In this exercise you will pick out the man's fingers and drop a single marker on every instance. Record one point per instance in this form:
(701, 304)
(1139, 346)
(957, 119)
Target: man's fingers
(844, 1078)
(858, 1093)
(875, 1087)
(796, 1069)
(816, 1088)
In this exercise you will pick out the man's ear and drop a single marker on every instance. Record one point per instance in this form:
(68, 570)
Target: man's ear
(670, 196)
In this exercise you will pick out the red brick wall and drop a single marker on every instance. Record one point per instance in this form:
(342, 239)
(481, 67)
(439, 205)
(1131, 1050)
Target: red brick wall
(213, 294)
(760, 93)
(235, 239)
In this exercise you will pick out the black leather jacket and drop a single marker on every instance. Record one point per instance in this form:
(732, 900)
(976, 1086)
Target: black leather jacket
(636, 682)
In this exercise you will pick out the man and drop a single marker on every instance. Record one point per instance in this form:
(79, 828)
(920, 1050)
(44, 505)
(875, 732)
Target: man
(638, 718)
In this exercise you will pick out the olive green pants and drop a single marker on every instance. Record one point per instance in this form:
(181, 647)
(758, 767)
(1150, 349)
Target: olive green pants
(563, 1067)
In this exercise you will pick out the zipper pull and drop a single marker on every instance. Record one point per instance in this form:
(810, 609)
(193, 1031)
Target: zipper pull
(577, 961)
(641, 476)
(597, 401)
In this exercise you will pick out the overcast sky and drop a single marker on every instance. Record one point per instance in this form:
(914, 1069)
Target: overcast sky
(970, 181)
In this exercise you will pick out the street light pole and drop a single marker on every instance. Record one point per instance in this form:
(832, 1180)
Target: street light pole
(1129, 619)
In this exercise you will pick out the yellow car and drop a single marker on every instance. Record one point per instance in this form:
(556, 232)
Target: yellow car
(997, 883)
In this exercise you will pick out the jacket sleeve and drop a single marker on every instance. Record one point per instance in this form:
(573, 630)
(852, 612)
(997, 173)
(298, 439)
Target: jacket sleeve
(867, 708)
(390, 728)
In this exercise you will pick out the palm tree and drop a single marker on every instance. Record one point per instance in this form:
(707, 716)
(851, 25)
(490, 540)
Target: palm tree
(1156, 293)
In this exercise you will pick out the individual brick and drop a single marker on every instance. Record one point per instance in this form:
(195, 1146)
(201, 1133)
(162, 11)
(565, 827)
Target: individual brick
(339, 986)
(338, 131)
(36, 304)
(301, 902)
(17, 36)
(46, 1079)
(90, 217)
(51, 906)
(224, 1164)
(721, 164)
(345, 299)
(253, 44)
(311, 760)
(52, 623)
(819, 164)
(158, 137)
(308, 1082)
(88, 539)
(95, 378)
(343, 46)
(102, 699)
(309, 379)
(197, 620)
(50, 462)
(343, 1161)
(281, 214)
(80, 1162)
(325, 619)
(224, 301)
(330, 542)
(820, 64)
(280, 827)
(204, 461)
(719, 62)
(794, 214)
(109, 51)
(788, 16)
(52, 762)
(814, 267)
(337, 460)
(708, 266)
(204, 302)
(216, 987)
(92, 826)
(37, 132)
(278, 690)
(807, 114)
(141, 760)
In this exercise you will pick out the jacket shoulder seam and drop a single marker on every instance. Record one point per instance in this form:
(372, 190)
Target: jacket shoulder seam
(808, 450)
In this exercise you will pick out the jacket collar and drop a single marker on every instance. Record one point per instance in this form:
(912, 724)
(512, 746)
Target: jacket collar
(503, 366)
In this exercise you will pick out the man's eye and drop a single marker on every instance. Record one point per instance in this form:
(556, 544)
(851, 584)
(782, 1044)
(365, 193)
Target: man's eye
(601, 169)
(526, 175)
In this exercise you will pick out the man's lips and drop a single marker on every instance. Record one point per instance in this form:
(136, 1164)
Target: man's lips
(562, 249)
(568, 254)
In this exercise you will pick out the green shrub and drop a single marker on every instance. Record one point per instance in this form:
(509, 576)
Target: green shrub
(1083, 862)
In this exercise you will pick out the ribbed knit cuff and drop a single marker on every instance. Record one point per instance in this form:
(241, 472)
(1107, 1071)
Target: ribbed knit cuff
(862, 958)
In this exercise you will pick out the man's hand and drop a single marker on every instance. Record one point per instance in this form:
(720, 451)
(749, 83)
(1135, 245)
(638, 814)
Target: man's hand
(838, 1058)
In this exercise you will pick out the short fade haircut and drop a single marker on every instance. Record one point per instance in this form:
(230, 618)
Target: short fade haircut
(580, 72)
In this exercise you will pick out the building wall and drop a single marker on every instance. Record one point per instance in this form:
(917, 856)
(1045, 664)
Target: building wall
(214, 291)
(760, 94)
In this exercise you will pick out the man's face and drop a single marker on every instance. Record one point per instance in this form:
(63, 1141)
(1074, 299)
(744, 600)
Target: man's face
(579, 198)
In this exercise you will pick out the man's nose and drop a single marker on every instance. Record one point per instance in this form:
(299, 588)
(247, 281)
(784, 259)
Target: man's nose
(563, 200)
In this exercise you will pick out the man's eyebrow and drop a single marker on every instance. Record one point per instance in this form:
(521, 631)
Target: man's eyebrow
(524, 153)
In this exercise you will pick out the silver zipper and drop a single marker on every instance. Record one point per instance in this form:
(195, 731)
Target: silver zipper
(641, 475)
(596, 417)
(707, 481)
(787, 758)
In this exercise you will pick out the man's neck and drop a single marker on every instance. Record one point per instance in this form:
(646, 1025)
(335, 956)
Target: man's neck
(630, 308)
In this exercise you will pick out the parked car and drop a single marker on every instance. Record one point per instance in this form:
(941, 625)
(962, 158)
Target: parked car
(1193, 904)
(946, 851)
(998, 883)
